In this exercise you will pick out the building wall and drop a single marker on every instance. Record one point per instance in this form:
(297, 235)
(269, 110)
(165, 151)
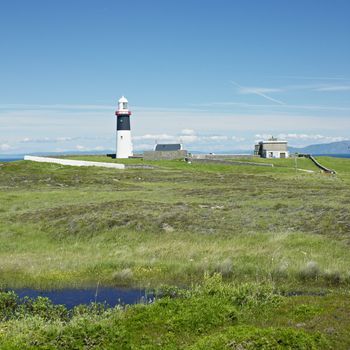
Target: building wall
(164, 155)
(275, 154)
(282, 147)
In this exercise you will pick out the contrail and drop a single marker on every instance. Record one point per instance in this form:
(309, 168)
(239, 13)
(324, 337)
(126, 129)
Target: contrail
(268, 97)
(259, 94)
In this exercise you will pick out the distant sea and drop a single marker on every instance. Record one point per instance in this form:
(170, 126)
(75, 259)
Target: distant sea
(10, 159)
(345, 155)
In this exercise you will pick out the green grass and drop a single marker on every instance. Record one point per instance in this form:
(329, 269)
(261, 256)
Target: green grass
(212, 315)
(171, 224)
(64, 226)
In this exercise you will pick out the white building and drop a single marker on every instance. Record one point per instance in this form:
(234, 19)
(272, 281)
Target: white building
(272, 148)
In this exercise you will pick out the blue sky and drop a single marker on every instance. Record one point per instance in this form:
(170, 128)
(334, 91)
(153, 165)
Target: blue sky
(216, 75)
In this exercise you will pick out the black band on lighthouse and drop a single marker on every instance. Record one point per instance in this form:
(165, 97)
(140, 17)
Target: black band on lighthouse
(123, 122)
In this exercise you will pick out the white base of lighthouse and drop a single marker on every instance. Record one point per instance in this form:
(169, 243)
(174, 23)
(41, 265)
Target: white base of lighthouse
(124, 144)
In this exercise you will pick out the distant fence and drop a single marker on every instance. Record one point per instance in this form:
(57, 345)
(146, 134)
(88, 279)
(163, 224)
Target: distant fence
(222, 156)
(319, 165)
(227, 162)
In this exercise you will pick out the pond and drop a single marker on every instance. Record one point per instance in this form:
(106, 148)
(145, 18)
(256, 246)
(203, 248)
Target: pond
(73, 297)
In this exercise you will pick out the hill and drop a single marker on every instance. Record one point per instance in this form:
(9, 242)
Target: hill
(245, 257)
(341, 147)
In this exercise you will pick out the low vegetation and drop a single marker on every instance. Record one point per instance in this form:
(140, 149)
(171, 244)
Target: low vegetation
(259, 226)
(212, 315)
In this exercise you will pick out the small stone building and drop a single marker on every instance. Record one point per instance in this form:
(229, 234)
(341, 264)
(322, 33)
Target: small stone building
(166, 152)
(272, 148)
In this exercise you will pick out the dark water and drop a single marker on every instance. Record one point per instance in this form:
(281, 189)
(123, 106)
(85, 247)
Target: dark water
(74, 297)
(333, 155)
(298, 293)
(10, 159)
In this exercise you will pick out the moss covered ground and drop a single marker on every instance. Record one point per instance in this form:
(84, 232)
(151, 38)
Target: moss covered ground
(259, 226)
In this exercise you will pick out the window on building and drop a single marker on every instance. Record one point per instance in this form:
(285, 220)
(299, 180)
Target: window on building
(125, 105)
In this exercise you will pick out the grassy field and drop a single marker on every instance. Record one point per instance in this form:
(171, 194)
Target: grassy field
(66, 226)
(267, 226)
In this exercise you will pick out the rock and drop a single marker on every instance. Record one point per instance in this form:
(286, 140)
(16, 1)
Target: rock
(167, 228)
(217, 207)
(330, 330)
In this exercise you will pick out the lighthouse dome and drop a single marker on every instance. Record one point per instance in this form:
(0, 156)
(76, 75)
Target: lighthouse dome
(122, 104)
(123, 99)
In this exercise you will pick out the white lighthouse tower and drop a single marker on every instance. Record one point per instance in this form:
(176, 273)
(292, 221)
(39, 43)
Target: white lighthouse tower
(124, 144)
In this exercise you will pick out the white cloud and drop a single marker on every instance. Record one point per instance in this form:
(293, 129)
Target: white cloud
(313, 137)
(238, 139)
(46, 140)
(195, 127)
(263, 136)
(274, 106)
(216, 138)
(63, 139)
(334, 88)
(144, 146)
(56, 107)
(154, 137)
(5, 147)
(189, 138)
(302, 137)
(188, 132)
(311, 78)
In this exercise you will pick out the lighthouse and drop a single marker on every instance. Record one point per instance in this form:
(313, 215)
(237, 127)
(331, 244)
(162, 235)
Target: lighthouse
(124, 144)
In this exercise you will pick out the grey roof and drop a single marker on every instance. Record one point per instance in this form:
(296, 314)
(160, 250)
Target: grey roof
(168, 147)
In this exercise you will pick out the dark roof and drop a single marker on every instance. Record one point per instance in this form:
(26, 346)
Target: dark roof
(168, 147)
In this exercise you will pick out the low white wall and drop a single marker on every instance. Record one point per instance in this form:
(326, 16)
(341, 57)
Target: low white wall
(74, 162)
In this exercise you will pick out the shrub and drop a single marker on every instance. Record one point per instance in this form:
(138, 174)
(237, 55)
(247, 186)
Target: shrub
(8, 304)
(225, 268)
(310, 272)
(252, 338)
(123, 276)
(332, 277)
(172, 292)
(304, 312)
(246, 294)
(42, 307)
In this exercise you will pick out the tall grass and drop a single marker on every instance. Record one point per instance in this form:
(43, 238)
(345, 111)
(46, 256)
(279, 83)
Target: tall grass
(65, 226)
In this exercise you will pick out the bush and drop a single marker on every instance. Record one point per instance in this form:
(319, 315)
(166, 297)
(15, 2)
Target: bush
(11, 307)
(305, 312)
(252, 338)
(42, 307)
(8, 304)
(310, 272)
(246, 294)
(332, 278)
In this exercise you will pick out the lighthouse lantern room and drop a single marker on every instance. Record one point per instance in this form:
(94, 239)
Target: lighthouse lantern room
(124, 144)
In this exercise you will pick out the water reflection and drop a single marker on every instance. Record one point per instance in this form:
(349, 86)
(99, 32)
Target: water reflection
(74, 297)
